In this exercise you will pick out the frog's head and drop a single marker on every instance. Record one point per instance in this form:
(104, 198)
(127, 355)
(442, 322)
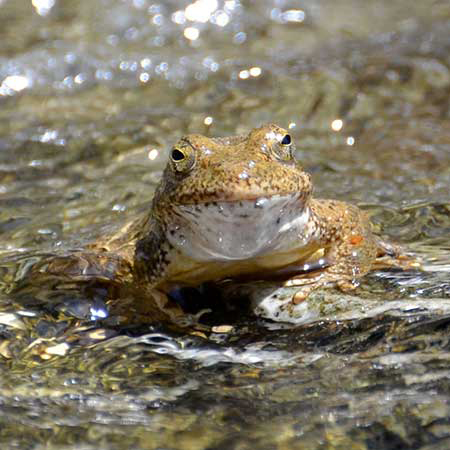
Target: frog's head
(232, 198)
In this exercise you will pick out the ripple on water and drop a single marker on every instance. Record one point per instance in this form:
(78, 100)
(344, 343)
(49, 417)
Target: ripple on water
(82, 111)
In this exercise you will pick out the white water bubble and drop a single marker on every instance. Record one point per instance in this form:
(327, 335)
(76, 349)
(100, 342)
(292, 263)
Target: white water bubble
(191, 33)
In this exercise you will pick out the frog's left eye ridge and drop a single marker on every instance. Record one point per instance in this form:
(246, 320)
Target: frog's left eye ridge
(287, 140)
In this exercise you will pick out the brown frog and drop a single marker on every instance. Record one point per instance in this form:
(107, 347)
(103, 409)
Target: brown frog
(237, 208)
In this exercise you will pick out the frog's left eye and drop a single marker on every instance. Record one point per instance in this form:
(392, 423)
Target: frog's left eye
(286, 140)
(283, 147)
(182, 158)
(177, 155)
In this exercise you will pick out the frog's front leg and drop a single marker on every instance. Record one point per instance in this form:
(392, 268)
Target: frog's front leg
(306, 285)
(350, 249)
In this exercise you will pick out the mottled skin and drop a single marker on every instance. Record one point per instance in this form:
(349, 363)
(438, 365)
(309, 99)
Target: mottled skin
(215, 176)
(326, 241)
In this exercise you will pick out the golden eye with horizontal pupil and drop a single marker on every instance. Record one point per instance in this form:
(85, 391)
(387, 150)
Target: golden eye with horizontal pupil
(182, 158)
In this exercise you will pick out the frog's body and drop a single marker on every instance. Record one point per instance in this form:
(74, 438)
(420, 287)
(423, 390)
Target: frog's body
(242, 208)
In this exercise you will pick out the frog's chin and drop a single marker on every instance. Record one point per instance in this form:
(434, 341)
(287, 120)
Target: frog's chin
(240, 230)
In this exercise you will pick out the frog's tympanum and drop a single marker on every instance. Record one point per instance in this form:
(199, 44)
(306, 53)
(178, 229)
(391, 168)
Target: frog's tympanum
(239, 208)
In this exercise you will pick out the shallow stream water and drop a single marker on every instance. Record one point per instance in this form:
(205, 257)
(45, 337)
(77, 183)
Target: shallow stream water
(92, 95)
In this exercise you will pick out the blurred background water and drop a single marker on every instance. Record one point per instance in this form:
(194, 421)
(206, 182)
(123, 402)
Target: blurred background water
(93, 93)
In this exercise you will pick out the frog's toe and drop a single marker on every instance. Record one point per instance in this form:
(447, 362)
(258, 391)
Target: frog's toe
(347, 285)
(302, 294)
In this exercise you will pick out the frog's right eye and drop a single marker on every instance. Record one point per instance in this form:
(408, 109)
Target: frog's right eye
(177, 155)
(286, 140)
(182, 158)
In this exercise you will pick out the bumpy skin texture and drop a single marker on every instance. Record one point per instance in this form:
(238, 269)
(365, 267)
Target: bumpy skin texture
(240, 208)
(223, 170)
(335, 244)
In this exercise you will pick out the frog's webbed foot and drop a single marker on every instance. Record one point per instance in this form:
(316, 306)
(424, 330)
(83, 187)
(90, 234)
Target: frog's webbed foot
(344, 272)
(174, 312)
(82, 266)
(306, 285)
(302, 294)
(347, 285)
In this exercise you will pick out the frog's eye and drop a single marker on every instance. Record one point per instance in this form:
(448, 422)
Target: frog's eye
(286, 141)
(283, 147)
(182, 158)
(177, 155)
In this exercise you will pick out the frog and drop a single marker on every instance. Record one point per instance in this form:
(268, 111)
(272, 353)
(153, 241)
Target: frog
(238, 208)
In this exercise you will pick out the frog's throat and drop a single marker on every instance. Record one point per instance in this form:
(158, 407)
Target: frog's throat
(226, 231)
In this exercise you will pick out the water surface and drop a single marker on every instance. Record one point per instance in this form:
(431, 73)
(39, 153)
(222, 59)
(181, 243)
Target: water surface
(92, 95)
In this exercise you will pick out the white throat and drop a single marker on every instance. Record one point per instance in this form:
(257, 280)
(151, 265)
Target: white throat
(241, 230)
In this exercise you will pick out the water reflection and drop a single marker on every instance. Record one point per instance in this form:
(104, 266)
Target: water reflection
(14, 83)
(350, 140)
(200, 10)
(191, 33)
(92, 97)
(43, 7)
(290, 15)
(337, 124)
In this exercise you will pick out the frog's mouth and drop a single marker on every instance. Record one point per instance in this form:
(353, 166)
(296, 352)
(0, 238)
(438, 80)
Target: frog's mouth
(239, 230)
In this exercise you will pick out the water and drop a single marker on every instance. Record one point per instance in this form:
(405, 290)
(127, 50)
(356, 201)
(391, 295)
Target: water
(92, 94)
